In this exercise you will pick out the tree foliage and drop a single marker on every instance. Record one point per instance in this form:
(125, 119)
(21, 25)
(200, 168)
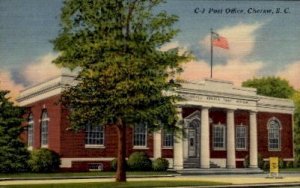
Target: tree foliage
(296, 98)
(271, 86)
(123, 77)
(123, 72)
(13, 153)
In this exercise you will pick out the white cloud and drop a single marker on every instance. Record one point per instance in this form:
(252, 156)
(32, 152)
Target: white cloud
(41, 69)
(291, 72)
(7, 83)
(238, 68)
(241, 39)
(171, 45)
(234, 70)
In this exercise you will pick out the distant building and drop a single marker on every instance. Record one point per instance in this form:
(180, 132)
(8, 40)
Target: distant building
(222, 125)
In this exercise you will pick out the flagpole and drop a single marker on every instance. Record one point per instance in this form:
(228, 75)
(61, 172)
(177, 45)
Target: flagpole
(211, 52)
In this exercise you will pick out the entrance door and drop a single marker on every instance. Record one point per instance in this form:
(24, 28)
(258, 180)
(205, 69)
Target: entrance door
(192, 143)
(193, 138)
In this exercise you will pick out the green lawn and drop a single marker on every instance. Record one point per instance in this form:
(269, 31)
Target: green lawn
(289, 170)
(138, 184)
(79, 174)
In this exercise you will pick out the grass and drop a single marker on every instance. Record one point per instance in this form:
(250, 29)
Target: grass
(289, 170)
(133, 184)
(79, 174)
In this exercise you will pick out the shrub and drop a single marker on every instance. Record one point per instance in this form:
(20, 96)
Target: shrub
(246, 162)
(44, 160)
(289, 164)
(114, 163)
(260, 161)
(139, 161)
(266, 165)
(160, 164)
(297, 161)
(281, 163)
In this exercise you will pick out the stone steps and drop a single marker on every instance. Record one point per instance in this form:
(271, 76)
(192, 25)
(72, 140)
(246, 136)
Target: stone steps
(195, 163)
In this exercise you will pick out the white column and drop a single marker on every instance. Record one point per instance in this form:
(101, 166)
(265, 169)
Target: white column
(157, 144)
(178, 143)
(185, 141)
(204, 139)
(253, 140)
(230, 162)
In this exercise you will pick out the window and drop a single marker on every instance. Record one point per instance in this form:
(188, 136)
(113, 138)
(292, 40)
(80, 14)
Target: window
(30, 130)
(241, 137)
(140, 135)
(95, 166)
(94, 135)
(274, 139)
(44, 129)
(219, 137)
(168, 139)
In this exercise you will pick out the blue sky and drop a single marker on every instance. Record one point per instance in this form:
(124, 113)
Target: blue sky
(260, 44)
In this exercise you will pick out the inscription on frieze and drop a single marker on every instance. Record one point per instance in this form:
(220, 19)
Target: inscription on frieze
(196, 97)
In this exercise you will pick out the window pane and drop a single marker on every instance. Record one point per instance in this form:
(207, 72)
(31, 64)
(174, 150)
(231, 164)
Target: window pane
(274, 135)
(168, 139)
(241, 137)
(219, 136)
(94, 135)
(30, 130)
(44, 128)
(140, 135)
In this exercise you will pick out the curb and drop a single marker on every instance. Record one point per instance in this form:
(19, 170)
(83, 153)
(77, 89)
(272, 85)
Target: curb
(289, 184)
(83, 177)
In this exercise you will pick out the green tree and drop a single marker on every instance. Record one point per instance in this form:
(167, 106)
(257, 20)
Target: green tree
(271, 86)
(123, 77)
(13, 153)
(296, 98)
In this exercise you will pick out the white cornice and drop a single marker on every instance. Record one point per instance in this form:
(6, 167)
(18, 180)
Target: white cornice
(208, 93)
(278, 105)
(45, 89)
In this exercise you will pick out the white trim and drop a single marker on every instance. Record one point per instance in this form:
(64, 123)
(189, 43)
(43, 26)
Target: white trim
(157, 145)
(167, 147)
(140, 147)
(30, 148)
(94, 146)
(67, 162)
(221, 162)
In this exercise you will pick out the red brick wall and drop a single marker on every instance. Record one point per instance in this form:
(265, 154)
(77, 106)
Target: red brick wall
(83, 166)
(216, 115)
(167, 153)
(286, 135)
(53, 108)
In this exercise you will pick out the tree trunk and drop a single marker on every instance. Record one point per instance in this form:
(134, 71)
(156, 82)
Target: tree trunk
(121, 163)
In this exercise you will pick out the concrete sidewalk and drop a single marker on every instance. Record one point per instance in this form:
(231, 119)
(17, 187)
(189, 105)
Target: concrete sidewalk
(237, 180)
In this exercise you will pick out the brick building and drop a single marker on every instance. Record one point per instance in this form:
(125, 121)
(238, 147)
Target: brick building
(222, 124)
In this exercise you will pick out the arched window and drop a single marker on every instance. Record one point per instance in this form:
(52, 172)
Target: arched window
(30, 129)
(274, 136)
(44, 129)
